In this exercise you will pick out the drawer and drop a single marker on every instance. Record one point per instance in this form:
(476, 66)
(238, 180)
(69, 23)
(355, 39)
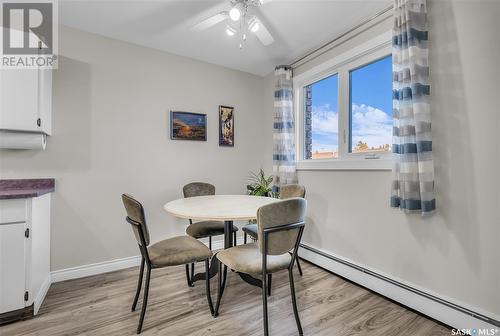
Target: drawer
(12, 211)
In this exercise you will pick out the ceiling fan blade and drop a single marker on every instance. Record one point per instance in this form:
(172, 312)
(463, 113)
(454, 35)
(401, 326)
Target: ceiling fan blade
(211, 21)
(263, 34)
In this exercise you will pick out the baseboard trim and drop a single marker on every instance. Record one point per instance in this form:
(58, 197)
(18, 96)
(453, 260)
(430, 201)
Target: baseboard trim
(438, 308)
(112, 265)
(94, 269)
(42, 293)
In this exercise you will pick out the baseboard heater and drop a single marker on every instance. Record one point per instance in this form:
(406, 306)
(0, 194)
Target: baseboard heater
(404, 286)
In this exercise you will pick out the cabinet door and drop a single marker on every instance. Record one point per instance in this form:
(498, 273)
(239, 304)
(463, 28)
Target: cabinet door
(12, 266)
(38, 251)
(19, 99)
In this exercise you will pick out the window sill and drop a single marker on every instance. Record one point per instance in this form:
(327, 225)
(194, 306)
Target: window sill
(365, 164)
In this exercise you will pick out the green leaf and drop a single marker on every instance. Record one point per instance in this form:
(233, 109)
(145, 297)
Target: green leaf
(259, 183)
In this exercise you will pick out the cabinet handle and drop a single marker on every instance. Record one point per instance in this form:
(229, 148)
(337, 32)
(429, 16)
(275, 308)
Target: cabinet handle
(39, 122)
(27, 233)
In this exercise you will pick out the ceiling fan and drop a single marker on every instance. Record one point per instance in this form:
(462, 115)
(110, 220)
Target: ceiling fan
(239, 21)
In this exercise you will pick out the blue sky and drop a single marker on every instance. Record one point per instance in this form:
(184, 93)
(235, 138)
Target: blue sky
(372, 85)
(371, 88)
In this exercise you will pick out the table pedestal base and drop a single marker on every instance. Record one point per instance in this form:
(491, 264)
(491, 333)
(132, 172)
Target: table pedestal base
(212, 271)
(250, 279)
(214, 263)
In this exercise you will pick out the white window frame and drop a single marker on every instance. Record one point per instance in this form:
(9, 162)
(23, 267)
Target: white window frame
(363, 54)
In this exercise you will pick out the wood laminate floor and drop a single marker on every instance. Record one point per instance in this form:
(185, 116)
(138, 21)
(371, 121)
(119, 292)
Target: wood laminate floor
(329, 305)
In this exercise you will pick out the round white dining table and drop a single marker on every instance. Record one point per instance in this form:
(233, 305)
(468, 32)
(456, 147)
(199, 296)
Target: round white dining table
(227, 208)
(218, 207)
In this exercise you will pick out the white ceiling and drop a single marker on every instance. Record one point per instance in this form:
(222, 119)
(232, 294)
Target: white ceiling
(297, 26)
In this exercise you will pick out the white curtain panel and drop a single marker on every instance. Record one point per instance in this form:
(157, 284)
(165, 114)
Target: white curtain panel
(284, 162)
(413, 170)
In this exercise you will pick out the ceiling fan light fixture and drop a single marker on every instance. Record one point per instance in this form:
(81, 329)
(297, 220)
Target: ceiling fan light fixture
(235, 13)
(230, 30)
(253, 25)
(239, 21)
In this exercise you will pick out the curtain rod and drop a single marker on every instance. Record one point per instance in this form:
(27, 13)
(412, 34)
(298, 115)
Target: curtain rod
(294, 64)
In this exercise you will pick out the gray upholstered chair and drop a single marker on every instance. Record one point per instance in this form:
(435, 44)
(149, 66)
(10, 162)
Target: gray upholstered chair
(203, 229)
(174, 251)
(279, 230)
(286, 191)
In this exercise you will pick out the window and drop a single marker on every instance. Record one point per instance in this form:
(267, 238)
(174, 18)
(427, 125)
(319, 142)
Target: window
(321, 124)
(345, 109)
(371, 107)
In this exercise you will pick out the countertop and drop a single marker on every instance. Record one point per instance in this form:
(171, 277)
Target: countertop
(26, 188)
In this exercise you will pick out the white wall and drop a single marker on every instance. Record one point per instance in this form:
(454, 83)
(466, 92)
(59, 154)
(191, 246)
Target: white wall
(111, 101)
(455, 253)
(111, 135)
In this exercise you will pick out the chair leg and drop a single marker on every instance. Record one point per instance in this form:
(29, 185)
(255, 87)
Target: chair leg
(188, 276)
(139, 285)
(224, 279)
(269, 281)
(145, 300)
(298, 265)
(192, 274)
(264, 303)
(210, 243)
(294, 302)
(207, 283)
(244, 237)
(220, 291)
(234, 238)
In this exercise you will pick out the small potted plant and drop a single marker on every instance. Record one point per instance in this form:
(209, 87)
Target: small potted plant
(260, 185)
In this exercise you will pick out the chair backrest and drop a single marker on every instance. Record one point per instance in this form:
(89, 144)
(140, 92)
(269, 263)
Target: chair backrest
(135, 216)
(279, 214)
(198, 189)
(292, 190)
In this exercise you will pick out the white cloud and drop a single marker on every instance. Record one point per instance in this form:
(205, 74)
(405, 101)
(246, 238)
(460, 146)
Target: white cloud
(325, 121)
(371, 125)
(368, 115)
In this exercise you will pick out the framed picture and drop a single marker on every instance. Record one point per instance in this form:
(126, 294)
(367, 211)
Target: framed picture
(188, 126)
(226, 126)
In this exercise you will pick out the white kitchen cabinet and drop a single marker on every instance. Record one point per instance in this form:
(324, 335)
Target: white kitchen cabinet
(26, 100)
(13, 260)
(45, 100)
(19, 99)
(24, 255)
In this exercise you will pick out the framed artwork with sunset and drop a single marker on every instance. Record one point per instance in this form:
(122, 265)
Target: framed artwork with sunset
(188, 126)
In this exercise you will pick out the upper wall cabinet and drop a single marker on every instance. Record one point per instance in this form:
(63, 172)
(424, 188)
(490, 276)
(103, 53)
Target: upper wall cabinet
(26, 100)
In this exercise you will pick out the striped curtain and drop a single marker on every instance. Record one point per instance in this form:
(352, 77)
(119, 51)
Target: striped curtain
(284, 165)
(413, 170)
